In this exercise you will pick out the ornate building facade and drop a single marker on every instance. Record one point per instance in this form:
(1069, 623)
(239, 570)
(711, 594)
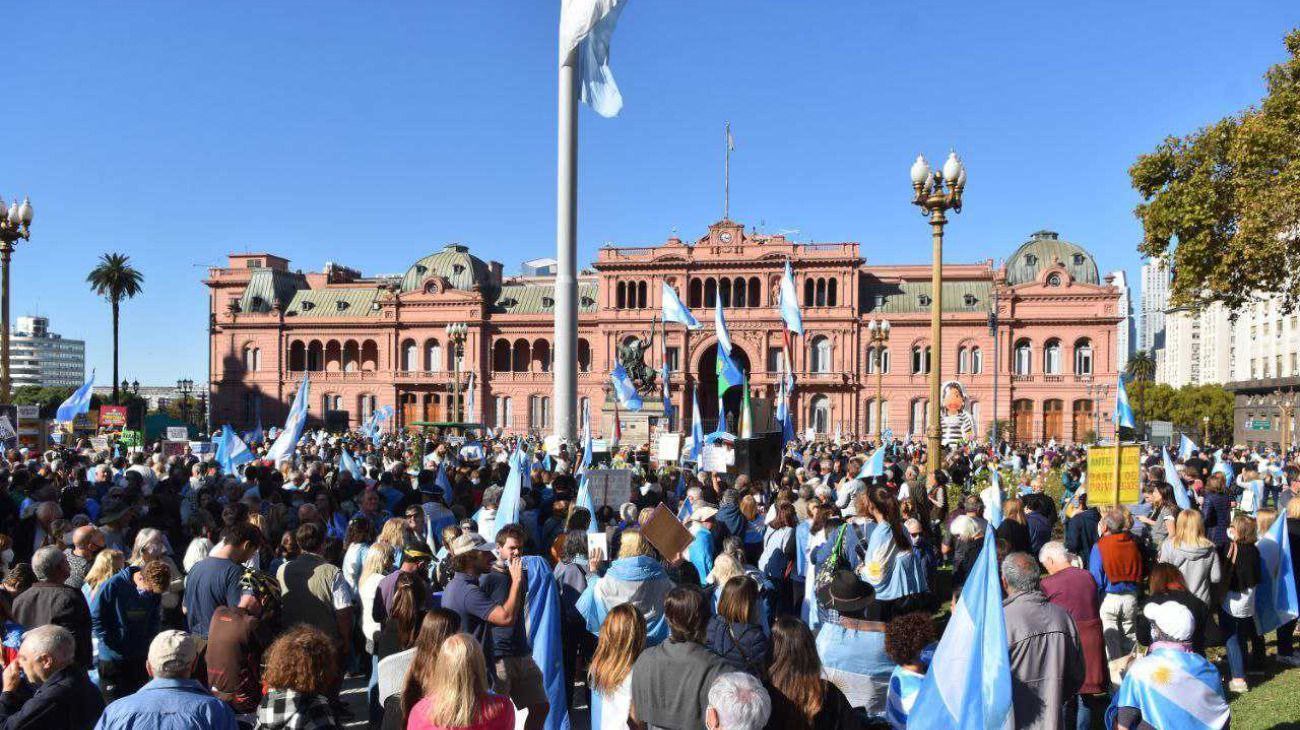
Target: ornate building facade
(370, 342)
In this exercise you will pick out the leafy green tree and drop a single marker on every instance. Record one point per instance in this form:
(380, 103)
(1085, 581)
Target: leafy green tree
(1141, 368)
(49, 399)
(1224, 202)
(1194, 402)
(115, 279)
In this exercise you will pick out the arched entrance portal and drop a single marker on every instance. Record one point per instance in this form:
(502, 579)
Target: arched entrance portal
(708, 380)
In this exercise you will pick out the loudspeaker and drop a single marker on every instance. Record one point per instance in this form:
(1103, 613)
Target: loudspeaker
(759, 457)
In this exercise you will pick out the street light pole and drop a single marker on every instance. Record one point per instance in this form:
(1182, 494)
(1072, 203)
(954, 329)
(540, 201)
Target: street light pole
(1205, 430)
(936, 192)
(15, 225)
(879, 332)
(456, 335)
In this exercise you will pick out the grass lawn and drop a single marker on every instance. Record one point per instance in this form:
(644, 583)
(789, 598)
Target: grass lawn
(1273, 704)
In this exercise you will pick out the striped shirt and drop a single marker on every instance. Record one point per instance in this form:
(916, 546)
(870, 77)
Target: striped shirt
(904, 684)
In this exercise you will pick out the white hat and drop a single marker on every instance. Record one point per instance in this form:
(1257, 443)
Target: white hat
(1173, 619)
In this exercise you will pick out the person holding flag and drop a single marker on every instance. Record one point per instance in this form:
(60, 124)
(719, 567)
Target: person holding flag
(231, 450)
(287, 442)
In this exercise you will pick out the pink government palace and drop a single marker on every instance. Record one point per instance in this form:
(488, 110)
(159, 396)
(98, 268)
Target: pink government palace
(370, 342)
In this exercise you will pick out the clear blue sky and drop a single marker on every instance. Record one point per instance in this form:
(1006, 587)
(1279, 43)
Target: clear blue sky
(372, 133)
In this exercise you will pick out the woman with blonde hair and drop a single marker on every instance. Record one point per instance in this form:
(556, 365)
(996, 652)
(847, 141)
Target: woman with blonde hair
(378, 560)
(1014, 528)
(393, 534)
(636, 577)
(1189, 550)
(107, 563)
(622, 639)
(438, 625)
(457, 696)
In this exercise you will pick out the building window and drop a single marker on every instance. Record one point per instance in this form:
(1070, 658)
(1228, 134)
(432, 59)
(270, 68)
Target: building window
(503, 419)
(821, 354)
(410, 355)
(976, 361)
(1024, 358)
(872, 412)
(820, 412)
(539, 412)
(1052, 358)
(774, 359)
(672, 356)
(882, 355)
(1083, 357)
(920, 359)
(919, 417)
(433, 356)
(963, 360)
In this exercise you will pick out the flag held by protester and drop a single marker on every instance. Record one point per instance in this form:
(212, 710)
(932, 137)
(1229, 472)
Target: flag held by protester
(1186, 447)
(1123, 411)
(624, 389)
(1275, 597)
(874, 466)
(231, 450)
(348, 463)
(77, 403)
(1175, 482)
(287, 441)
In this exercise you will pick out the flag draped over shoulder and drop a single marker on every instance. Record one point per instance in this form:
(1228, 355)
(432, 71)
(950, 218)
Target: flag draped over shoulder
(968, 684)
(1275, 597)
(543, 615)
(78, 402)
(587, 26)
(1173, 689)
(697, 428)
(287, 441)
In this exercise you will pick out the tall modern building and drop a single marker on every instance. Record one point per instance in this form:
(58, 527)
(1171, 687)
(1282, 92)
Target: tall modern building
(1155, 300)
(1126, 333)
(44, 359)
(1198, 347)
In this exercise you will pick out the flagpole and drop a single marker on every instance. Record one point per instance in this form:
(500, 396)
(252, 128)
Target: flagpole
(566, 252)
(726, 175)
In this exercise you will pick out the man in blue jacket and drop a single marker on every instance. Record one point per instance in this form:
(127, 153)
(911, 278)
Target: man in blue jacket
(125, 616)
(171, 694)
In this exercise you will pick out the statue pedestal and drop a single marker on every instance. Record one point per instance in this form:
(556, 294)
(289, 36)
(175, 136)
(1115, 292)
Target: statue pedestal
(638, 426)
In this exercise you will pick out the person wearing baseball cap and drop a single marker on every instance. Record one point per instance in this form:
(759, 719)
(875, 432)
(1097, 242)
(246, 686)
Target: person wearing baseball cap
(171, 693)
(416, 557)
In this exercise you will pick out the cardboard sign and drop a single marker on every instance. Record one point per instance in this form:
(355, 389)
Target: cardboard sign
(552, 444)
(203, 447)
(99, 443)
(611, 487)
(112, 417)
(666, 533)
(178, 433)
(1101, 475)
(7, 429)
(86, 422)
(669, 447)
(174, 448)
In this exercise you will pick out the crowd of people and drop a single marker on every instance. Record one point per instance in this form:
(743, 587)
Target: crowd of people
(145, 591)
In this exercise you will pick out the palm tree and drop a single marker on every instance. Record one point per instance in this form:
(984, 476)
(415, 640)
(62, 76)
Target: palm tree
(115, 279)
(1141, 368)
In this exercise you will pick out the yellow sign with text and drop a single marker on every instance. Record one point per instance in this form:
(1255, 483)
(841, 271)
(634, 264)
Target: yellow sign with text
(1101, 475)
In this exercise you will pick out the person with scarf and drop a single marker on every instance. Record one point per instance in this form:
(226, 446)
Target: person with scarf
(1116, 565)
(888, 563)
(635, 577)
(1172, 686)
(704, 548)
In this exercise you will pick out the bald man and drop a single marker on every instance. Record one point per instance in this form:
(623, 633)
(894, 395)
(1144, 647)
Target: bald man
(87, 541)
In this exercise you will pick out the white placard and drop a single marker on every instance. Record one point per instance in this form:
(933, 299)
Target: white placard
(99, 442)
(669, 447)
(552, 444)
(597, 545)
(716, 459)
(178, 433)
(29, 413)
(599, 445)
(203, 447)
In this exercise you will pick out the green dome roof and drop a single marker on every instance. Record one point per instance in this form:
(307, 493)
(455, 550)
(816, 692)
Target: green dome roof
(1045, 249)
(454, 263)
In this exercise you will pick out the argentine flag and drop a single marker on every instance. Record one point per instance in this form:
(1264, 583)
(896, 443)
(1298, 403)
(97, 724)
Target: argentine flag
(509, 507)
(1175, 482)
(1275, 597)
(348, 463)
(1185, 448)
(624, 390)
(697, 428)
(1174, 689)
(587, 26)
(231, 450)
(991, 496)
(1123, 411)
(443, 484)
(675, 311)
(968, 684)
(875, 466)
(720, 329)
(78, 402)
(287, 441)
(788, 305)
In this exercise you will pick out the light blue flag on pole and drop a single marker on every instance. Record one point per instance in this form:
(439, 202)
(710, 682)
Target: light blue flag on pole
(1275, 597)
(720, 329)
(1175, 482)
(584, 499)
(1185, 448)
(348, 463)
(968, 684)
(543, 617)
(509, 507)
(469, 398)
(441, 481)
(675, 311)
(624, 390)
(875, 466)
(697, 428)
(1123, 411)
(1223, 467)
(231, 450)
(287, 441)
(587, 26)
(78, 402)
(788, 304)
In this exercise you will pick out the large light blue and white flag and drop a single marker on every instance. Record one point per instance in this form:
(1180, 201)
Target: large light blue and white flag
(874, 466)
(587, 26)
(78, 402)
(968, 684)
(443, 484)
(1123, 411)
(697, 428)
(624, 390)
(788, 305)
(511, 498)
(1223, 467)
(348, 463)
(287, 441)
(231, 450)
(720, 329)
(1175, 482)
(1186, 447)
(1173, 689)
(1276, 602)
(675, 311)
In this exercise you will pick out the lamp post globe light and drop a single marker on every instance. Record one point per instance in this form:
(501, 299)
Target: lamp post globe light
(936, 192)
(456, 333)
(879, 332)
(15, 226)
(185, 386)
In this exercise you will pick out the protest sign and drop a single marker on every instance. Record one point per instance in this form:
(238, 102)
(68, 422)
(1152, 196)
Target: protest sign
(112, 418)
(716, 458)
(87, 422)
(7, 431)
(178, 433)
(611, 487)
(131, 438)
(203, 447)
(174, 448)
(29, 413)
(666, 533)
(1101, 475)
(669, 447)
(99, 443)
(598, 545)
(552, 444)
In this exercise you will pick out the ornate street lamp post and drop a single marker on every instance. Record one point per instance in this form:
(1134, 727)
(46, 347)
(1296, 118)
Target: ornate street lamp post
(1285, 402)
(15, 225)
(1205, 430)
(185, 386)
(936, 192)
(456, 335)
(879, 332)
